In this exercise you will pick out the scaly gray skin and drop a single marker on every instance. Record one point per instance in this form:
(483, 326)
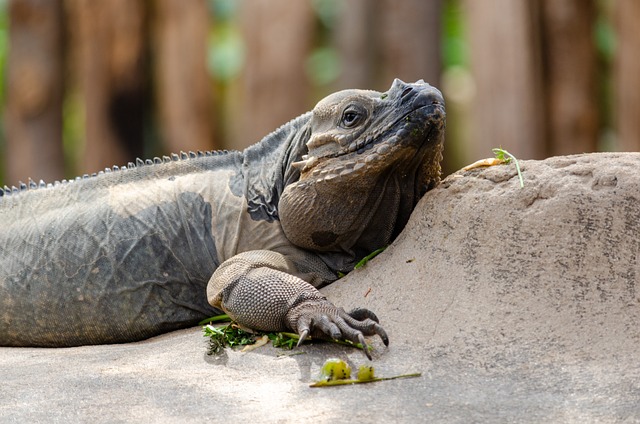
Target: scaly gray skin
(129, 253)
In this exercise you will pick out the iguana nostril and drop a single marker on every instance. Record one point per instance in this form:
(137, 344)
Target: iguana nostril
(406, 92)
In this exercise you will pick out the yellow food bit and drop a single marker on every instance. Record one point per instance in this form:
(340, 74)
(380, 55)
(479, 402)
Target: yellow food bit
(483, 162)
(365, 373)
(335, 369)
(336, 372)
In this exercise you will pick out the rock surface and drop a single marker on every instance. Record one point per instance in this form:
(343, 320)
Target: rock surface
(517, 305)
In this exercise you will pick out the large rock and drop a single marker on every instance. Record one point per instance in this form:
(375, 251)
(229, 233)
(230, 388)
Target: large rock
(490, 273)
(515, 304)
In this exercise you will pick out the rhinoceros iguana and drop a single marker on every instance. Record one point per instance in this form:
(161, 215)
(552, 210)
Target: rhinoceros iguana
(154, 246)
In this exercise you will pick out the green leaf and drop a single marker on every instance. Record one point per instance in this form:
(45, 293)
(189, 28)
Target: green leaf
(367, 258)
(227, 335)
(284, 340)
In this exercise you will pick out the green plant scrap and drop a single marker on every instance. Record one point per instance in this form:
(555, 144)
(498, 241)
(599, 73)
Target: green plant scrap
(229, 335)
(232, 335)
(284, 340)
(364, 260)
(367, 258)
(217, 318)
(501, 157)
(506, 157)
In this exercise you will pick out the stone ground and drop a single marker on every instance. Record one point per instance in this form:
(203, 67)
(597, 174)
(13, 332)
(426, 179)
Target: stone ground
(516, 305)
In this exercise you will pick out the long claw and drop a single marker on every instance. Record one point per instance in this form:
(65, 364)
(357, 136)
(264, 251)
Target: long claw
(383, 335)
(303, 335)
(365, 347)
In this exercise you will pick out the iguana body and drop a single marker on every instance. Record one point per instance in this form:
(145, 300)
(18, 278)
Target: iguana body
(131, 252)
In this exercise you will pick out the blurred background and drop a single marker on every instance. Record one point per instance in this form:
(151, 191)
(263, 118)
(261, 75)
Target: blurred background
(88, 84)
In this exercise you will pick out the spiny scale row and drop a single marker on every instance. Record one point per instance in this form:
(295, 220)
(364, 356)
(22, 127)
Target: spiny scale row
(31, 185)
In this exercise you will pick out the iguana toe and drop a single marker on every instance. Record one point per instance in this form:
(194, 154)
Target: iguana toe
(363, 313)
(368, 322)
(324, 320)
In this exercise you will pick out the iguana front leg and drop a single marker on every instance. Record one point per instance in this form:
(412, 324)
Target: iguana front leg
(258, 290)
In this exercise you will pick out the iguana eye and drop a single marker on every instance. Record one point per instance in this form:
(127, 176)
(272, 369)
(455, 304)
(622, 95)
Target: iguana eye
(351, 117)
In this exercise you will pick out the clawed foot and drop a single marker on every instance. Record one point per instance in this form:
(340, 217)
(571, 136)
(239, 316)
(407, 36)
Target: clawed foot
(323, 319)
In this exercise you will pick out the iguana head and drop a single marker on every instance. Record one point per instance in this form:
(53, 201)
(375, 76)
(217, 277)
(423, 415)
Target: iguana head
(370, 157)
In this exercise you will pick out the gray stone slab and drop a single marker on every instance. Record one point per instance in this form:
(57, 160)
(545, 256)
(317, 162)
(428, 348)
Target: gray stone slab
(516, 305)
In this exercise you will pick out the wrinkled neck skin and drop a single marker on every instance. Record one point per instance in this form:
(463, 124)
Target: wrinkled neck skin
(358, 185)
(267, 168)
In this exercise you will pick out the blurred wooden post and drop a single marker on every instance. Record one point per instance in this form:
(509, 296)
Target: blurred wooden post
(183, 86)
(410, 39)
(111, 65)
(508, 108)
(278, 36)
(33, 113)
(627, 74)
(357, 43)
(571, 84)
(379, 40)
